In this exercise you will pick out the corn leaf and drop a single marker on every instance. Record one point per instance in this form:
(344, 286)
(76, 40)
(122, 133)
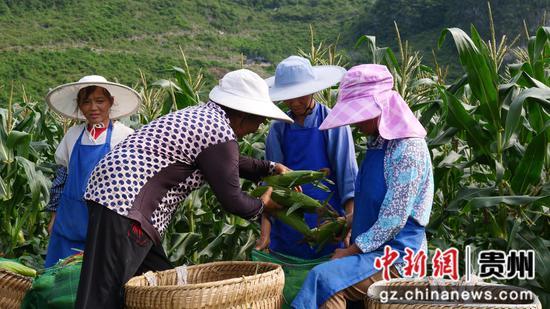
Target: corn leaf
(531, 165)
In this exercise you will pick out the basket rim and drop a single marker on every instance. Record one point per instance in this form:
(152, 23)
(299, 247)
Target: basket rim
(194, 286)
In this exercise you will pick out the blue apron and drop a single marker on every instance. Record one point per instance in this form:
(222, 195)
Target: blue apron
(305, 149)
(327, 279)
(71, 221)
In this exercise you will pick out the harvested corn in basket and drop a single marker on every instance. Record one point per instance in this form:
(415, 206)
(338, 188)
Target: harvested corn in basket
(15, 280)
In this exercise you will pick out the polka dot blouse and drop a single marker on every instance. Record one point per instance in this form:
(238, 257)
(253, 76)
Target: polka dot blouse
(146, 176)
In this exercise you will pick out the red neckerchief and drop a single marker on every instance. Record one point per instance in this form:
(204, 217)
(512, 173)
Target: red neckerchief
(96, 132)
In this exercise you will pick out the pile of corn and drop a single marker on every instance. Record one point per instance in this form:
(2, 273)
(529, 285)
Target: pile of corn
(16, 267)
(295, 204)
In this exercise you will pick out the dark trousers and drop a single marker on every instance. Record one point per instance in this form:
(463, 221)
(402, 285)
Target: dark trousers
(116, 250)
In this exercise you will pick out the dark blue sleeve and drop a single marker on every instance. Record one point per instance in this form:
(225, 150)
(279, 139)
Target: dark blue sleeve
(58, 184)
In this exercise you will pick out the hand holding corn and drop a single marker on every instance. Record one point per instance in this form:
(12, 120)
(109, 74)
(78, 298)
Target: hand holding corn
(292, 205)
(269, 204)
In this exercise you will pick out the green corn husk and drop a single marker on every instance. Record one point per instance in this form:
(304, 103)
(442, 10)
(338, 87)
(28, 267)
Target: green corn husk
(326, 233)
(290, 199)
(17, 268)
(295, 221)
(295, 178)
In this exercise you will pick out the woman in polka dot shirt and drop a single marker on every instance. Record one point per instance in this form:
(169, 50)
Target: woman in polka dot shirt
(135, 189)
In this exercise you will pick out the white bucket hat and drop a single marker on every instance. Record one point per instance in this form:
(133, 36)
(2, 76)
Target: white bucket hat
(246, 91)
(62, 99)
(295, 77)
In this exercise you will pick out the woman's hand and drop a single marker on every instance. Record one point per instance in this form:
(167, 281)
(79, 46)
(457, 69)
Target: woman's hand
(269, 204)
(263, 242)
(50, 225)
(351, 250)
(281, 169)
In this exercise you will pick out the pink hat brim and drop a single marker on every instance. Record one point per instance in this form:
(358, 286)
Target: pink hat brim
(350, 112)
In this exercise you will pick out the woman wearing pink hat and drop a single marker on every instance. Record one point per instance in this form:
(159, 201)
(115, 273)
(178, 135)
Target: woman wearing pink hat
(394, 189)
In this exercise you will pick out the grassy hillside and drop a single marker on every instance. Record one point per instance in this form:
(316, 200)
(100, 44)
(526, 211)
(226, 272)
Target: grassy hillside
(45, 43)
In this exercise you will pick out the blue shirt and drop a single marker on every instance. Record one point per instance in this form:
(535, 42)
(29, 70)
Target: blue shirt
(340, 149)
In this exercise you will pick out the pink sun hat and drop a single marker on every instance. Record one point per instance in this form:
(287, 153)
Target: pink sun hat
(365, 93)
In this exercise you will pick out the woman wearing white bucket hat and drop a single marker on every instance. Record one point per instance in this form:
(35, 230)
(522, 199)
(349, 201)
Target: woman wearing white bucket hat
(135, 189)
(301, 146)
(98, 102)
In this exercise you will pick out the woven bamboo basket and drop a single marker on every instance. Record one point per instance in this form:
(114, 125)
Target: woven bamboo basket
(12, 289)
(373, 300)
(213, 285)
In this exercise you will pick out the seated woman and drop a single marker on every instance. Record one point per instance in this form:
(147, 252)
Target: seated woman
(97, 102)
(393, 193)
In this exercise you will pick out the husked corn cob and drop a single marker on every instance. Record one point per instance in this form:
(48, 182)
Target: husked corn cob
(295, 178)
(17, 268)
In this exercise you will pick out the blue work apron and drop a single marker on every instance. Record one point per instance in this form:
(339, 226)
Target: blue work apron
(305, 149)
(327, 279)
(71, 221)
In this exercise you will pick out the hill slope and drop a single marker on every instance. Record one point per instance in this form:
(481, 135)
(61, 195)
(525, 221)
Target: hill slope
(44, 43)
(47, 42)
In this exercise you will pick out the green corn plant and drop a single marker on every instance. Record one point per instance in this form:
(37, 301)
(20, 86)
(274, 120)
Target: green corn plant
(153, 101)
(324, 54)
(497, 159)
(184, 91)
(26, 135)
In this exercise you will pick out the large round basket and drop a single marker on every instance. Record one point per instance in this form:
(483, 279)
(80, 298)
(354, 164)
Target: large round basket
(400, 286)
(213, 285)
(12, 289)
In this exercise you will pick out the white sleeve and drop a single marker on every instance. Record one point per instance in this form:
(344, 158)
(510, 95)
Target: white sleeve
(120, 132)
(63, 151)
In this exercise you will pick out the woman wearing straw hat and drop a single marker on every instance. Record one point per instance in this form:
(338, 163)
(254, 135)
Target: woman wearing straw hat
(98, 102)
(301, 146)
(136, 188)
(394, 190)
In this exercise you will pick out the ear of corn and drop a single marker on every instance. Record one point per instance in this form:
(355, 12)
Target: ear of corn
(295, 178)
(295, 221)
(295, 204)
(291, 199)
(326, 233)
(17, 268)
